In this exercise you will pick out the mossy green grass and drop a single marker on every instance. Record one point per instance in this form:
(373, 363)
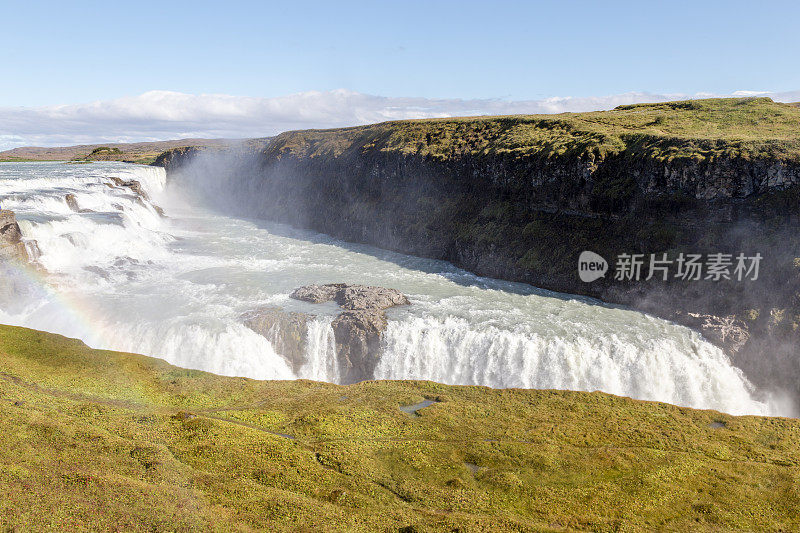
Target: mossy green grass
(692, 130)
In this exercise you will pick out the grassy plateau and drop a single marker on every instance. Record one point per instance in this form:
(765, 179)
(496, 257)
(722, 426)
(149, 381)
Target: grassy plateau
(693, 129)
(99, 440)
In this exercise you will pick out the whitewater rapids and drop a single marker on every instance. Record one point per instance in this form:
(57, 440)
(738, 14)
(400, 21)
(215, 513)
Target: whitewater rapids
(121, 277)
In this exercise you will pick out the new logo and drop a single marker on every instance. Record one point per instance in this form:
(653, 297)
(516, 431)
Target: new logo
(591, 266)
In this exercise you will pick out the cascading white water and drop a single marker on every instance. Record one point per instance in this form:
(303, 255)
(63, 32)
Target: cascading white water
(122, 277)
(321, 351)
(450, 351)
(114, 225)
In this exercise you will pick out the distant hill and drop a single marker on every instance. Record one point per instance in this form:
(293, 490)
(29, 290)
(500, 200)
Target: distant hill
(143, 152)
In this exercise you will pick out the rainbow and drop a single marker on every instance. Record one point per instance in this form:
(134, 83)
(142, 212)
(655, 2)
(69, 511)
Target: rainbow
(80, 316)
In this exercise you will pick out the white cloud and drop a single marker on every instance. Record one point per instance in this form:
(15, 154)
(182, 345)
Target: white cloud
(158, 115)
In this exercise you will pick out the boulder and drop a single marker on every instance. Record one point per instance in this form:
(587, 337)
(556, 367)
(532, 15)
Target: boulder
(133, 185)
(72, 202)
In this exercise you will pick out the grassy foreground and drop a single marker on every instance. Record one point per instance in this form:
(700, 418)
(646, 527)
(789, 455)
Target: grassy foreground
(101, 440)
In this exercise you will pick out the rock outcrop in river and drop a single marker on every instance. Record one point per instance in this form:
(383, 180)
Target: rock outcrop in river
(357, 329)
(135, 187)
(11, 245)
(354, 298)
(12, 254)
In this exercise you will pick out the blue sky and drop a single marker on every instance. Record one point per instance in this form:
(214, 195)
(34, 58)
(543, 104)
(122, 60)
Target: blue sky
(80, 52)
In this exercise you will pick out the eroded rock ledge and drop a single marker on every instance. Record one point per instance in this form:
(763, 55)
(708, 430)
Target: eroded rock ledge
(287, 332)
(351, 297)
(357, 329)
(135, 187)
(11, 245)
(13, 253)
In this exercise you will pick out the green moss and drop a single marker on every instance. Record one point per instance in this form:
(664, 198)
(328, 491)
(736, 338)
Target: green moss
(94, 439)
(676, 132)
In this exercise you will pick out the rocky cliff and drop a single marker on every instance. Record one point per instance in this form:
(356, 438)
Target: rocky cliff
(521, 197)
(171, 160)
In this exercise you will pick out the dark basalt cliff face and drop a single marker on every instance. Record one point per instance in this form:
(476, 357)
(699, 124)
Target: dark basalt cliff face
(175, 158)
(520, 198)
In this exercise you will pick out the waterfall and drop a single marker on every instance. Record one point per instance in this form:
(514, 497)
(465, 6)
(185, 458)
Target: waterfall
(687, 371)
(322, 364)
(120, 276)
